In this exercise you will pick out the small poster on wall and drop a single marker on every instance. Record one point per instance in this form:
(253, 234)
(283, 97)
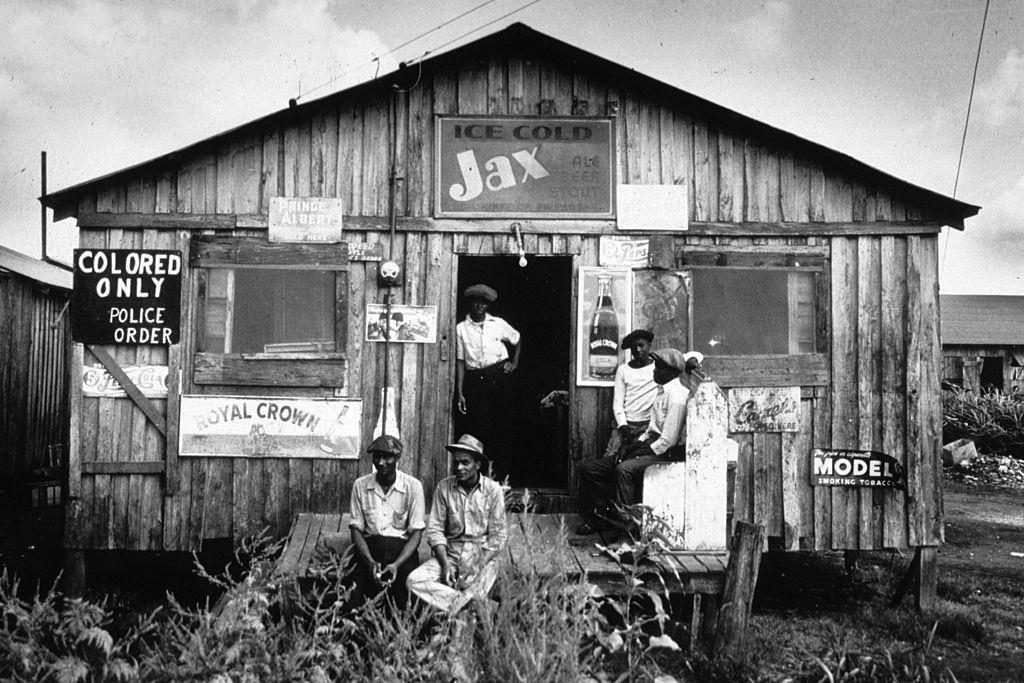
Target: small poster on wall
(407, 324)
(150, 379)
(764, 409)
(604, 316)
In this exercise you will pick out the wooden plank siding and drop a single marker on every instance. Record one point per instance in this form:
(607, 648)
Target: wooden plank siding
(874, 385)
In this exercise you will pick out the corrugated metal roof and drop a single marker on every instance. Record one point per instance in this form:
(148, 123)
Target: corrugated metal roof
(982, 319)
(519, 34)
(34, 269)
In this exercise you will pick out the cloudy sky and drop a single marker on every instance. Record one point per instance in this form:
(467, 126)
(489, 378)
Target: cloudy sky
(103, 84)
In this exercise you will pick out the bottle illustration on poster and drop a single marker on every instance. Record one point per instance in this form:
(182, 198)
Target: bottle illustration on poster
(604, 315)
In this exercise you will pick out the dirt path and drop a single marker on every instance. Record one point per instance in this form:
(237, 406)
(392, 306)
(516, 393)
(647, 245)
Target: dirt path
(983, 528)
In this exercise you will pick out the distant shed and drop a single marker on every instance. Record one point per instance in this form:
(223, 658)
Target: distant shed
(34, 350)
(799, 268)
(983, 341)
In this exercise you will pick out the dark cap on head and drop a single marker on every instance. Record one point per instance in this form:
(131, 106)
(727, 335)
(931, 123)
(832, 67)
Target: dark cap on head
(630, 340)
(385, 444)
(481, 292)
(468, 443)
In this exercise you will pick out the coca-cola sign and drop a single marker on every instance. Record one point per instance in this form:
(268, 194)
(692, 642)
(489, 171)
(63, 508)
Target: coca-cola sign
(524, 167)
(150, 379)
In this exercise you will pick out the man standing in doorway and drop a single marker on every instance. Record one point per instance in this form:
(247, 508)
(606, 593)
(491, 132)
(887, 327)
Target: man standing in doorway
(486, 354)
(466, 533)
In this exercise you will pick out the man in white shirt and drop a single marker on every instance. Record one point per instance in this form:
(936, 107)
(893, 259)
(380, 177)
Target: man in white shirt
(486, 354)
(605, 481)
(635, 391)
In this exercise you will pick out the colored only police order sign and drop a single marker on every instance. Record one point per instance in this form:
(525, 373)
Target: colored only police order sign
(269, 427)
(856, 468)
(126, 296)
(531, 167)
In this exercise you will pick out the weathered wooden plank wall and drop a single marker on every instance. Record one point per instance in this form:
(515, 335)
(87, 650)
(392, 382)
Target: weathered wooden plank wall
(34, 334)
(882, 296)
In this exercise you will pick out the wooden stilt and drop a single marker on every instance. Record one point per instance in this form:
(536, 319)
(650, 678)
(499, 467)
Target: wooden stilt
(74, 578)
(850, 558)
(908, 579)
(695, 622)
(740, 581)
(927, 577)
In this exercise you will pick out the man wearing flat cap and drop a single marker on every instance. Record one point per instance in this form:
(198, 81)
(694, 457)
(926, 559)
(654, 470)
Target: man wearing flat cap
(387, 509)
(635, 391)
(603, 481)
(466, 533)
(486, 354)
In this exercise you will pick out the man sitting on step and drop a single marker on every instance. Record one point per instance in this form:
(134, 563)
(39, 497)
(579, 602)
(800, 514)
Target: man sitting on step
(466, 532)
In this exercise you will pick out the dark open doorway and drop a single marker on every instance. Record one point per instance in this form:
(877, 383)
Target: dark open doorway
(992, 373)
(537, 301)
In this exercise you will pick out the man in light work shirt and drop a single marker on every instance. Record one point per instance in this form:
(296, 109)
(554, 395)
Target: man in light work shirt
(387, 510)
(605, 481)
(483, 374)
(466, 533)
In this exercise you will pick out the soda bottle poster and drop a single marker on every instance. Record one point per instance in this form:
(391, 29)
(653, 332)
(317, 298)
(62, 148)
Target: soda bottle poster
(604, 312)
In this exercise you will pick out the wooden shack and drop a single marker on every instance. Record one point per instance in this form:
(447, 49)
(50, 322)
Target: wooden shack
(34, 350)
(983, 342)
(799, 268)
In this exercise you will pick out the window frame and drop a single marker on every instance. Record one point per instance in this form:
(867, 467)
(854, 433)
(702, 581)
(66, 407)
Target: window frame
(293, 369)
(803, 369)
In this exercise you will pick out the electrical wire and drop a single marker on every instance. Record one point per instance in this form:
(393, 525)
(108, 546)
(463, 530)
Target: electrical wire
(480, 27)
(394, 49)
(967, 120)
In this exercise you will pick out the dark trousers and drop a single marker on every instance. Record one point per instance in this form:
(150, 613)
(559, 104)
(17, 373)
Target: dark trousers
(603, 482)
(385, 550)
(488, 393)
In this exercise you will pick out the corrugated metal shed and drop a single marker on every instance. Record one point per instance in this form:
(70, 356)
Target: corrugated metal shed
(40, 271)
(982, 319)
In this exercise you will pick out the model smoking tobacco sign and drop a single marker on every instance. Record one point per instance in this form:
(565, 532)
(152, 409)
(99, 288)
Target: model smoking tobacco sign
(855, 468)
(532, 167)
(126, 296)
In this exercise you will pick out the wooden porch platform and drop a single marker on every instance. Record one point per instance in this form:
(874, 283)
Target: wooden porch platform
(536, 539)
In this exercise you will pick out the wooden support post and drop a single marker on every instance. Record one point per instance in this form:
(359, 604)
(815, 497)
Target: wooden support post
(850, 558)
(74, 578)
(740, 581)
(927, 577)
(695, 623)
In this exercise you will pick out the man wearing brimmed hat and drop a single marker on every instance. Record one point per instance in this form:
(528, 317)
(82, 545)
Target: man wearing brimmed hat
(387, 509)
(465, 530)
(603, 481)
(486, 354)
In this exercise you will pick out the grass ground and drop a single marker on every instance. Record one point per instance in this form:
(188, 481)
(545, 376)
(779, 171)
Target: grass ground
(810, 622)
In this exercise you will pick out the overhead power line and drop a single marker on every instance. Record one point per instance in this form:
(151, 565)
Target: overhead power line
(967, 121)
(395, 49)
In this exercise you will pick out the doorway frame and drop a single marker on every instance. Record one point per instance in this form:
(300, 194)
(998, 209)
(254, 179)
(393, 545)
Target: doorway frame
(534, 245)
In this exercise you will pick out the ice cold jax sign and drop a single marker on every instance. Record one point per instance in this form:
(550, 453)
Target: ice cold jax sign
(126, 296)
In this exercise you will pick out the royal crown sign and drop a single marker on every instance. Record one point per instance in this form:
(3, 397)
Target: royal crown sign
(126, 296)
(530, 167)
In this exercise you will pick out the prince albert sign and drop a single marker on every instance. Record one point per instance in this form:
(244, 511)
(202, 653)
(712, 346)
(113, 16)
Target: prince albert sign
(126, 296)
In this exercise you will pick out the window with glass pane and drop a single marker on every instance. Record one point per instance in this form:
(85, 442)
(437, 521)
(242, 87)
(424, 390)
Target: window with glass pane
(266, 310)
(739, 311)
